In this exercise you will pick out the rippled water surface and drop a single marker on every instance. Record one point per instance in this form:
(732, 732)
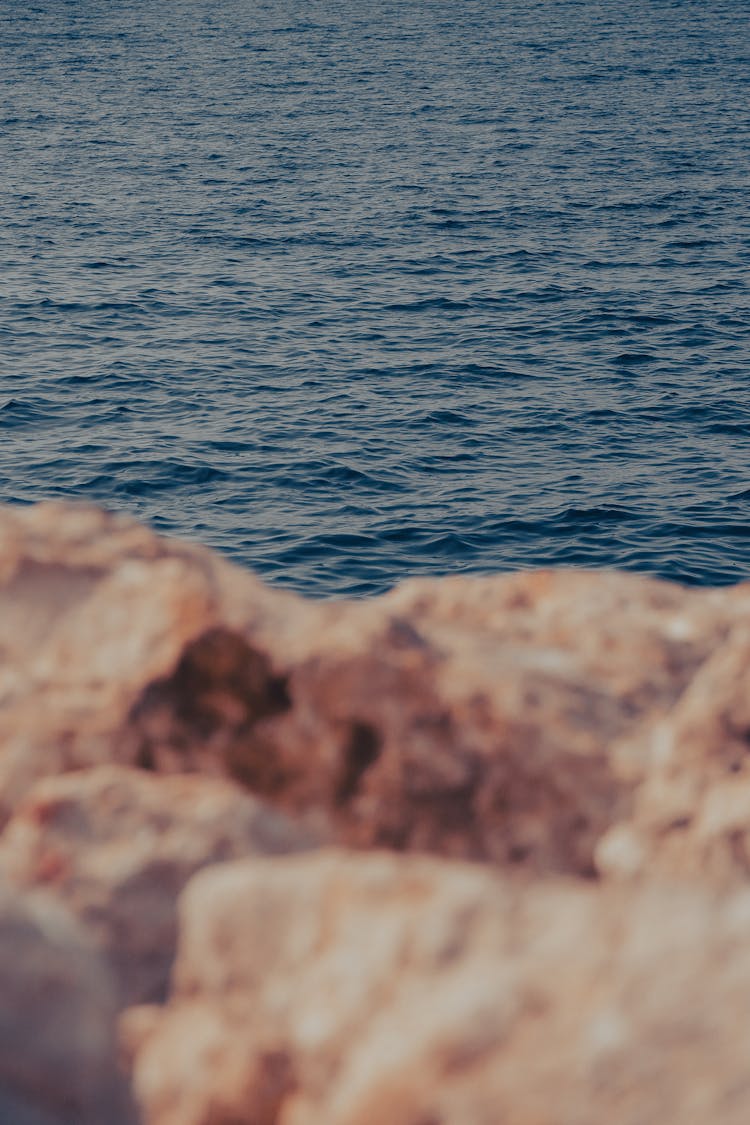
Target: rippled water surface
(358, 291)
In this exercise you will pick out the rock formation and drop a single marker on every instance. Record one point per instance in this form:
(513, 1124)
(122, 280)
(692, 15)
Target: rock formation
(523, 803)
(58, 1057)
(118, 845)
(418, 990)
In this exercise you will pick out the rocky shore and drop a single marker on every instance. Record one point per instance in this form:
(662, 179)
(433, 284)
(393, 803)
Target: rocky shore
(475, 852)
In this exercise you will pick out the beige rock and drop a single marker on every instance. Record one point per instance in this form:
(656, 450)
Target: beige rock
(337, 989)
(589, 730)
(57, 1020)
(513, 718)
(691, 812)
(118, 845)
(93, 608)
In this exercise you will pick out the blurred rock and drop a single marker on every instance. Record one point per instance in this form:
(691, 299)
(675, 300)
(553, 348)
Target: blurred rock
(118, 845)
(514, 718)
(691, 813)
(57, 1021)
(341, 989)
(587, 734)
(92, 608)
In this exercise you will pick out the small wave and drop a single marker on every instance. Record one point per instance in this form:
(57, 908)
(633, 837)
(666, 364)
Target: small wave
(18, 412)
(633, 359)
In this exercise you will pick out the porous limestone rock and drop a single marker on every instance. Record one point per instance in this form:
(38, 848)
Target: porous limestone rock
(479, 718)
(118, 845)
(691, 812)
(587, 734)
(93, 607)
(345, 989)
(58, 1059)
(516, 718)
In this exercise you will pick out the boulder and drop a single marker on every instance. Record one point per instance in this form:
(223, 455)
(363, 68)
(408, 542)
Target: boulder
(690, 817)
(93, 607)
(167, 721)
(58, 1058)
(117, 846)
(344, 989)
(518, 719)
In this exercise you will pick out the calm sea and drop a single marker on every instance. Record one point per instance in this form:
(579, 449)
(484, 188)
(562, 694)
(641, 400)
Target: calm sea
(365, 290)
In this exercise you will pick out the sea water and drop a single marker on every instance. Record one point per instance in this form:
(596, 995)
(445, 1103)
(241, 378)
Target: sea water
(359, 291)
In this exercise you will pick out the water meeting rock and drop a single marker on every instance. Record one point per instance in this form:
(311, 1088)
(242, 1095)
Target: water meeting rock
(515, 719)
(522, 804)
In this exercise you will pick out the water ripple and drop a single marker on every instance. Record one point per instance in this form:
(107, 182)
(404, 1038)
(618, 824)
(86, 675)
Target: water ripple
(358, 292)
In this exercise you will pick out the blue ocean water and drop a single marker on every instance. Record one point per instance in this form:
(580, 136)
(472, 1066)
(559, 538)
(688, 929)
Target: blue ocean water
(359, 291)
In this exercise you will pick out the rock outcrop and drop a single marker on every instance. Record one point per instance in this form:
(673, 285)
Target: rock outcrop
(523, 808)
(341, 989)
(118, 845)
(58, 1056)
(514, 719)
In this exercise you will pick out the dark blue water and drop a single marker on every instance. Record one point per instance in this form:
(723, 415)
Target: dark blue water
(358, 291)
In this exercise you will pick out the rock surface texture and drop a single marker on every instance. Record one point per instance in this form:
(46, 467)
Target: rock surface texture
(58, 1059)
(523, 808)
(418, 990)
(118, 846)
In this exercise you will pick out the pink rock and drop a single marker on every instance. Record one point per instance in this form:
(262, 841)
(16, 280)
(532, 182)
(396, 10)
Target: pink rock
(587, 734)
(505, 719)
(58, 1061)
(118, 845)
(342, 989)
(519, 718)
